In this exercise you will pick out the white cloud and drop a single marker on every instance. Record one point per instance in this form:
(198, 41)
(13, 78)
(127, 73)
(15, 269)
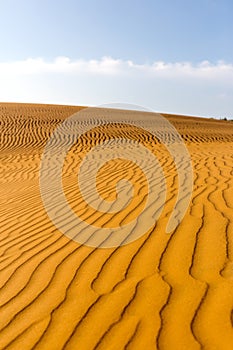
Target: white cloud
(180, 87)
(110, 66)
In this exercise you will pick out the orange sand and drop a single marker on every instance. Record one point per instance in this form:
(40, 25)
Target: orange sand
(159, 292)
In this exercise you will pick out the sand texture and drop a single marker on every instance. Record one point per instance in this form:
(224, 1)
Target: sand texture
(162, 291)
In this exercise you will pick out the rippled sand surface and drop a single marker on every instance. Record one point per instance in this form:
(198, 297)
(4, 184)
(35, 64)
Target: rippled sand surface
(162, 291)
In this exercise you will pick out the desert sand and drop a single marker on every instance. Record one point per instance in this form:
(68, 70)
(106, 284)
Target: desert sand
(162, 291)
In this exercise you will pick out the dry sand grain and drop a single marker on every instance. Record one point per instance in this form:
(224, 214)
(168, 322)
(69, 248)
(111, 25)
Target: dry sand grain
(160, 292)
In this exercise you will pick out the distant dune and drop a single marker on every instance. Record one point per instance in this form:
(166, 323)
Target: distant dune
(162, 291)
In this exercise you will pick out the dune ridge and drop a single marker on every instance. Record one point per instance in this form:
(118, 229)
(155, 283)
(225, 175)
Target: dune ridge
(159, 292)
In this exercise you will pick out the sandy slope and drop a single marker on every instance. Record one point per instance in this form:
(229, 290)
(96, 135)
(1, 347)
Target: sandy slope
(159, 292)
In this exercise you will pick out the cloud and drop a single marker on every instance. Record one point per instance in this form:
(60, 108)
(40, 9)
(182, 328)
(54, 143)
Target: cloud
(111, 67)
(179, 87)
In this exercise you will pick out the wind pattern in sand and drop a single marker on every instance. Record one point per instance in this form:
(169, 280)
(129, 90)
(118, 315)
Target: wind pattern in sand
(162, 291)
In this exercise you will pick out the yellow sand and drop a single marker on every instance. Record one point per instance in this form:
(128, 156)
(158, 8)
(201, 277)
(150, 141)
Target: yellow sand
(159, 292)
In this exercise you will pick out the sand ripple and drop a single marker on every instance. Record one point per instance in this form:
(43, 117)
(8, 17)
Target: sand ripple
(159, 292)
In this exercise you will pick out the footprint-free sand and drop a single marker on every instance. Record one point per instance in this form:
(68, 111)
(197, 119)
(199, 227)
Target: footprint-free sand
(162, 291)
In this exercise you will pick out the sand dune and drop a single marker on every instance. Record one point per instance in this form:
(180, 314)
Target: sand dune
(162, 291)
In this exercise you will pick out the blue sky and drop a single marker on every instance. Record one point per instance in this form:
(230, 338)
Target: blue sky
(170, 56)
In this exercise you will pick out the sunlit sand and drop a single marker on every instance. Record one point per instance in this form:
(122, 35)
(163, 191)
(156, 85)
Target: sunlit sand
(162, 291)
